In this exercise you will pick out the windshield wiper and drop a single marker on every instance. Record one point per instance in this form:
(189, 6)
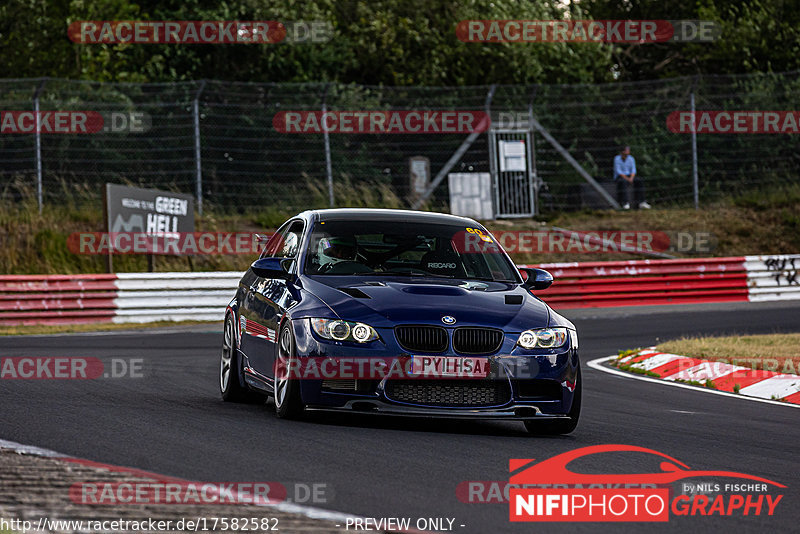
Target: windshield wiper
(405, 273)
(484, 279)
(383, 273)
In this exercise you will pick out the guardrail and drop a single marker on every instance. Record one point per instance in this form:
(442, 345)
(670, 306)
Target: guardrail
(773, 277)
(642, 282)
(118, 298)
(147, 297)
(54, 299)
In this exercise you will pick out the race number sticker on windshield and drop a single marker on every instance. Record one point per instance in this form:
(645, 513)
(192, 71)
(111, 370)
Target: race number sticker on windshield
(450, 366)
(478, 232)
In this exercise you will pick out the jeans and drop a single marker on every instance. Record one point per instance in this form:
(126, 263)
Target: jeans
(625, 188)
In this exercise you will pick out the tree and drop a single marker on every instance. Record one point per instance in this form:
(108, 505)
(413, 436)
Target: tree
(756, 36)
(390, 42)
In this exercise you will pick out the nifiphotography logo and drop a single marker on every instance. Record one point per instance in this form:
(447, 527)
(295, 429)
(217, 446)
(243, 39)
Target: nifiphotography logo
(549, 491)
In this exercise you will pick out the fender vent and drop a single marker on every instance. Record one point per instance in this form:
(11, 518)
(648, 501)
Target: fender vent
(513, 299)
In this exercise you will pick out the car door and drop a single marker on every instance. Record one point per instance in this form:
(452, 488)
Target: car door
(266, 300)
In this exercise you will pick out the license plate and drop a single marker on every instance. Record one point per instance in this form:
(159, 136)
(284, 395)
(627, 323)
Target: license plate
(450, 366)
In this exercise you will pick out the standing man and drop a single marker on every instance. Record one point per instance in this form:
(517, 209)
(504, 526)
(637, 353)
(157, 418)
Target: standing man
(625, 176)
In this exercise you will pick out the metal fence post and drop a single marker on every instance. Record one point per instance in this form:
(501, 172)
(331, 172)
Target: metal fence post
(38, 141)
(695, 181)
(327, 140)
(197, 155)
(532, 155)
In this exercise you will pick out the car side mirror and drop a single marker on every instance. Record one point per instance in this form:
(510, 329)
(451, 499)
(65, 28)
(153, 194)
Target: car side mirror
(537, 278)
(272, 268)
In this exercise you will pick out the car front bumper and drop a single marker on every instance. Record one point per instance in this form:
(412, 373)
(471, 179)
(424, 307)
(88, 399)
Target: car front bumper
(539, 385)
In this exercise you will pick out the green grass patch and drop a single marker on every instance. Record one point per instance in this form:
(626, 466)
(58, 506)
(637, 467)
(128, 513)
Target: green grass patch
(690, 382)
(704, 384)
(622, 353)
(635, 370)
(23, 330)
(764, 221)
(757, 222)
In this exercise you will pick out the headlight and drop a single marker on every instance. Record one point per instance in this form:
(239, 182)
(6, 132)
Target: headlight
(544, 338)
(343, 330)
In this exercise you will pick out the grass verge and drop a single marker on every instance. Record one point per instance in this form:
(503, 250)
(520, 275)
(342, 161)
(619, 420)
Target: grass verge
(23, 330)
(757, 222)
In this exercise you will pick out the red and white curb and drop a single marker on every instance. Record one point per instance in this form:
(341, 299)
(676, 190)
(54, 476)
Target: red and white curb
(674, 369)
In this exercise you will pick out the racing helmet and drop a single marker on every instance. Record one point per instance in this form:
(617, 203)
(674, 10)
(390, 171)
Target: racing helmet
(336, 249)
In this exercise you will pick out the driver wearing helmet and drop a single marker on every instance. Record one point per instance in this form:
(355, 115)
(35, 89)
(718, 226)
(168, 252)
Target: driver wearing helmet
(333, 250)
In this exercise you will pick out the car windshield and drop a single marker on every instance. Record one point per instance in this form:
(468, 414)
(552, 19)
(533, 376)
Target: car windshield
(372, 248)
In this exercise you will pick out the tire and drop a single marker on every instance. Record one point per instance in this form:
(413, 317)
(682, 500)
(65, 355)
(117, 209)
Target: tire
(231, 377)
(560, 426)
(288, 402)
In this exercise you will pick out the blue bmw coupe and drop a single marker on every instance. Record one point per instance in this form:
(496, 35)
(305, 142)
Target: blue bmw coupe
(399, 313)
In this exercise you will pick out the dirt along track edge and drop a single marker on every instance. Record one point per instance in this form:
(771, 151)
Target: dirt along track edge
(291, 508)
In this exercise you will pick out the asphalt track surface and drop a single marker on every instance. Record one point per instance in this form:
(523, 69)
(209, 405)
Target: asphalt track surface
(172, 421)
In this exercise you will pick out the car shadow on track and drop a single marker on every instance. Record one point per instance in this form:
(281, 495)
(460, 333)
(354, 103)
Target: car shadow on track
(379, 422)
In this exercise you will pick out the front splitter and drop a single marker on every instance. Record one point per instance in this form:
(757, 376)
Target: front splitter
(516, 412)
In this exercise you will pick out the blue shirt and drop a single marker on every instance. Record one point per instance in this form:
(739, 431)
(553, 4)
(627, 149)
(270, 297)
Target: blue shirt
(626, 167)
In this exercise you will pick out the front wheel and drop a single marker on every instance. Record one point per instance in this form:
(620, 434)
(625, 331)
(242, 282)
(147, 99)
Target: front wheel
(560, 426)
(288, 402)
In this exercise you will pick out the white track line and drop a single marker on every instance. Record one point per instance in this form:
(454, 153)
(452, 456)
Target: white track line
(597, 365)
(19, 448)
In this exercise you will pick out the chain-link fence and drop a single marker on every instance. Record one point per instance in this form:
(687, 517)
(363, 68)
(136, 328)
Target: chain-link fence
(216, 139)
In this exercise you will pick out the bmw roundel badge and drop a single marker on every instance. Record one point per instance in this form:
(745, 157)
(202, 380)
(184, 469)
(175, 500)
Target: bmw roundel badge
(449, 319)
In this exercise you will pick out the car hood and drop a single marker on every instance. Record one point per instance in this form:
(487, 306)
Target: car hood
(389, 302)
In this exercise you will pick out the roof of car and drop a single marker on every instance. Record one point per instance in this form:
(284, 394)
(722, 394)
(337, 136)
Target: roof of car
(350, 214)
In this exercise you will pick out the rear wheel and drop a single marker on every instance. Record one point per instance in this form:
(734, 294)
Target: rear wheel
(560, 426)
(231, 379)
(288, 402)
